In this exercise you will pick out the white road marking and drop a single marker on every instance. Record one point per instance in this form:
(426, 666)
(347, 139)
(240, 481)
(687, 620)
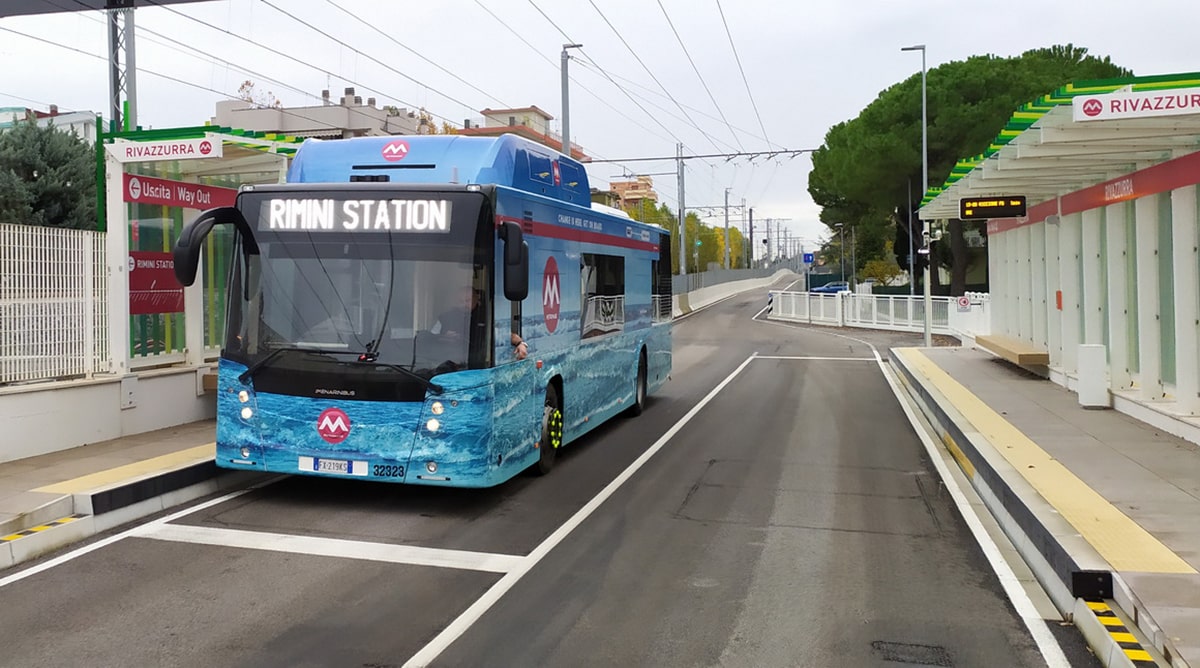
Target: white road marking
(73, 554)
(464, 621)
(332, 547)
(814, 358)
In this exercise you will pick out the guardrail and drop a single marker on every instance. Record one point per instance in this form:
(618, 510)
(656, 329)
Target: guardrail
(968, 315)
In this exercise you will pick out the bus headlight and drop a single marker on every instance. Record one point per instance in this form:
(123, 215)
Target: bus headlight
(243, 396)
(437, 408)
(245, 452)
(431, 467)
(433, 424)
(247, 413)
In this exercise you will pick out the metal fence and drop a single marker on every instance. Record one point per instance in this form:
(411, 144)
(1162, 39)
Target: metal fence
(53, 304)
(949, 315)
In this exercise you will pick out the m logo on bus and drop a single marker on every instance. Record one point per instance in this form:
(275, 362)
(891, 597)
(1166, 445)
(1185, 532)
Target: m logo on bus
(395, 150)
(333, 425)
(551, 296)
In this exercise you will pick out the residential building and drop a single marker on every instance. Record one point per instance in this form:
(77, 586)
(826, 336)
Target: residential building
(82, 123)
(529, 122)
(635, 193)
(345, 118)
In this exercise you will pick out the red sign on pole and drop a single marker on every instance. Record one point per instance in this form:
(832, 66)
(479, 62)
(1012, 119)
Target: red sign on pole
(152, 284)
(150, 190)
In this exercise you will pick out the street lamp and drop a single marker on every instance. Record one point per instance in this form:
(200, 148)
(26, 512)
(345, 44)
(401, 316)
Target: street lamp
(566, 108)
(841, 249)
(924, 187)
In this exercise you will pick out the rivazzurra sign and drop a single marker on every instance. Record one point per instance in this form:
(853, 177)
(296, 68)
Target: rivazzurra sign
(1113, 106)
(175, 149)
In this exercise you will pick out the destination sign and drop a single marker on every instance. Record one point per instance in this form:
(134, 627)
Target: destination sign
(367, 215)
(981, 208)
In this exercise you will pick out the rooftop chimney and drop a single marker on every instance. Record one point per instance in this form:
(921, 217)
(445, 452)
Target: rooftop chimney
(54, 110)
(370, 102)
(325, 96)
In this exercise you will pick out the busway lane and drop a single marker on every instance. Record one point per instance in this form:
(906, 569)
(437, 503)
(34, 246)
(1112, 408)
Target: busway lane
(149, 601)
(797, 521)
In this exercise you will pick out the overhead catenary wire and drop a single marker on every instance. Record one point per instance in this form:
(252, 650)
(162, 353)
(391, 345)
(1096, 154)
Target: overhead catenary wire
(191, 51)
(296, 59)
(745, 81)
(652, 76)
(699, 76)
(416, 53)
(168, 77)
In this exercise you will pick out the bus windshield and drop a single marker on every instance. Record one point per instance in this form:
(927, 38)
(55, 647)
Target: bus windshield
(396, 281)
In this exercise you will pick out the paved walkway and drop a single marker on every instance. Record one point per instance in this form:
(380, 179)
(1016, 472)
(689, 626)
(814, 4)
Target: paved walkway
(1091, 491)
(1101, 505)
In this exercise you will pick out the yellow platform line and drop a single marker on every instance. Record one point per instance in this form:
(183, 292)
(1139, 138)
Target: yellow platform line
(1124, 544)
(133, 471)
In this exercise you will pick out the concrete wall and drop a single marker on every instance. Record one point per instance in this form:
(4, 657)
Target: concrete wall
(50, 417)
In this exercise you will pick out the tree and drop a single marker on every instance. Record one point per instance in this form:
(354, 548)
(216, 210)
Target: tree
(883, 271)
(863, 173)
(47, 177)
(262, 100)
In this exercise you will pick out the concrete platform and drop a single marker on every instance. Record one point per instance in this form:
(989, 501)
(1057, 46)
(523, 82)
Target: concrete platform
(1105, 509)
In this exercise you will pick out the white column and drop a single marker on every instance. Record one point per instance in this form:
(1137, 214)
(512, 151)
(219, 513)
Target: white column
(1093, 278)
(996, 268)
(1187, 306)
(1053, 315)
(116, 251)
(1149, 333)
(1025, 297)
(1037, 291)
(1068, 271)
(1012, 289)
(1118, 307)
(193, 306)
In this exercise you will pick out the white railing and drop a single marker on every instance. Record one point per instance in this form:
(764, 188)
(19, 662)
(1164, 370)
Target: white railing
(890, 312)
(53, 304)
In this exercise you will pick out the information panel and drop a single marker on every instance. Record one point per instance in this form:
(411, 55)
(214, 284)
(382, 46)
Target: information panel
(982, 208)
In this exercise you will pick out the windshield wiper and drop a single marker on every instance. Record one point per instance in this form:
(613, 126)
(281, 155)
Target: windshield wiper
(253, 368)
(370, 357)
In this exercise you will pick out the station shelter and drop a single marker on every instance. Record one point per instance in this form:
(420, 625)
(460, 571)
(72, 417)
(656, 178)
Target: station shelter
(1101, 276)
(154, 183)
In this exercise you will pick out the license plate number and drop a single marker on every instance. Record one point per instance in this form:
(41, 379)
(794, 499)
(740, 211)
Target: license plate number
(352, 467)
(331, 466)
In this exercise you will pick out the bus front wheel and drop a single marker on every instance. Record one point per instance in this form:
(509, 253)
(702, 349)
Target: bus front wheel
(552, 431)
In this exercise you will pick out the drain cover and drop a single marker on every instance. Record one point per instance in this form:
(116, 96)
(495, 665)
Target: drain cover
(919, 655)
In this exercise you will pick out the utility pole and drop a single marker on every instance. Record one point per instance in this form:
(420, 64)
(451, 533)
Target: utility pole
(566, 107)
(121, 38)
(751, 265)
(682, 213)
(727, 228)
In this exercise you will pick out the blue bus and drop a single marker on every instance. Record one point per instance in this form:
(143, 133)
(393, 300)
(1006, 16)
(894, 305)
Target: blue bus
(433, 310)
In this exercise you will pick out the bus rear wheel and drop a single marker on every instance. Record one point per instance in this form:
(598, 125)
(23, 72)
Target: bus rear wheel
(639, 391)
(552, 432)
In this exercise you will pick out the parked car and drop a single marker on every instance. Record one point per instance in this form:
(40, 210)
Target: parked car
(833, 288)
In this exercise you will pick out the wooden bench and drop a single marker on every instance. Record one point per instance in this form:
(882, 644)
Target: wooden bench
(1016, 351)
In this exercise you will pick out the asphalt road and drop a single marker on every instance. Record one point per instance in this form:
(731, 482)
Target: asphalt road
(794, 520)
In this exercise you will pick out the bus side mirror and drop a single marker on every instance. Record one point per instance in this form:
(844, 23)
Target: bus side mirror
(516, 262)
(187, 248)
(516, 276)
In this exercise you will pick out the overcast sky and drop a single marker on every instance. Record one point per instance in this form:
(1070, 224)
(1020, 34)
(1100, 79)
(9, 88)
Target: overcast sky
(634, 93)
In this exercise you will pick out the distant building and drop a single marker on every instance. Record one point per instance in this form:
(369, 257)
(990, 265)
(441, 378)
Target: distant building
(348, 117)
(82, 123)
(636, 193)
(528, 122)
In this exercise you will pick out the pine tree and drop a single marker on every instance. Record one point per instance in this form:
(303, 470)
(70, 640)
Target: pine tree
(47, 177)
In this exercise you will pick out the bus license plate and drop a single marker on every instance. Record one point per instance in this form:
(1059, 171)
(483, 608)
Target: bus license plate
(331, 466)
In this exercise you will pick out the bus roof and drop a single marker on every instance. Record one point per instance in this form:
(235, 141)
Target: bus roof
(507, 160)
